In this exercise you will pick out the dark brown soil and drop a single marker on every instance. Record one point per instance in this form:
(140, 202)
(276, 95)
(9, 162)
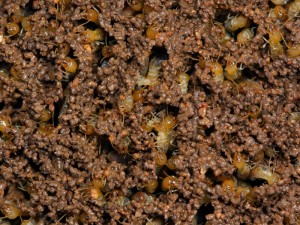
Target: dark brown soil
(88, 120)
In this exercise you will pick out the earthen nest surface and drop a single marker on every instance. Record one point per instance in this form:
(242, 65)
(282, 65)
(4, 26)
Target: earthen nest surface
(84, 104)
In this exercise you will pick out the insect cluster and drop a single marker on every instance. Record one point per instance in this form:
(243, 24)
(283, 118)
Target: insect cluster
(149, 112)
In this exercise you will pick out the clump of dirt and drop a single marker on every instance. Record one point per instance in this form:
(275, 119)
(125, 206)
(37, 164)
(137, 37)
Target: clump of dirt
(149, 112)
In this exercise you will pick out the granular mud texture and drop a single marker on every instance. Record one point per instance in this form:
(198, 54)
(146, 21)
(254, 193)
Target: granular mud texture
(149, 112)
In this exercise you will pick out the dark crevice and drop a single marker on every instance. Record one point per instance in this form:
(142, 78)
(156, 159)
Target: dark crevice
(256, 182)
(156, 95)
(17, 104)
(171, 110)
(61, 217)
(175, 5)
(108, 106)
(206, 89)
(2, 105)
(29, 6)
(104, 63)
(57, 111)
(33, 165)
(209, 130)
(160, 53)
(193, 61)
(5, 67)
(221, 15)
(114, 156)
(211, 176)
(203, 211)
(106, 217)
(106, 147)
(294, 161)
(249, 74)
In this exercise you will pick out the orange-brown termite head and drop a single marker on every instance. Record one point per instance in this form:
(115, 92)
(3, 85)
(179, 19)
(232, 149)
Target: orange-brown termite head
(294, 51)
(243, 169)
(94, 35)
(151, 186)
(92, 15)
(45, 115)
(232, 72)
(12, 29)
(70, 65)
(138, 95)
(229, 185)
(160, 158)
(276, 48)
(107, 51)
(279, 13)
(169, 183)
(4, 123)
(152, 32)
(275, 36)
(217, 71)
